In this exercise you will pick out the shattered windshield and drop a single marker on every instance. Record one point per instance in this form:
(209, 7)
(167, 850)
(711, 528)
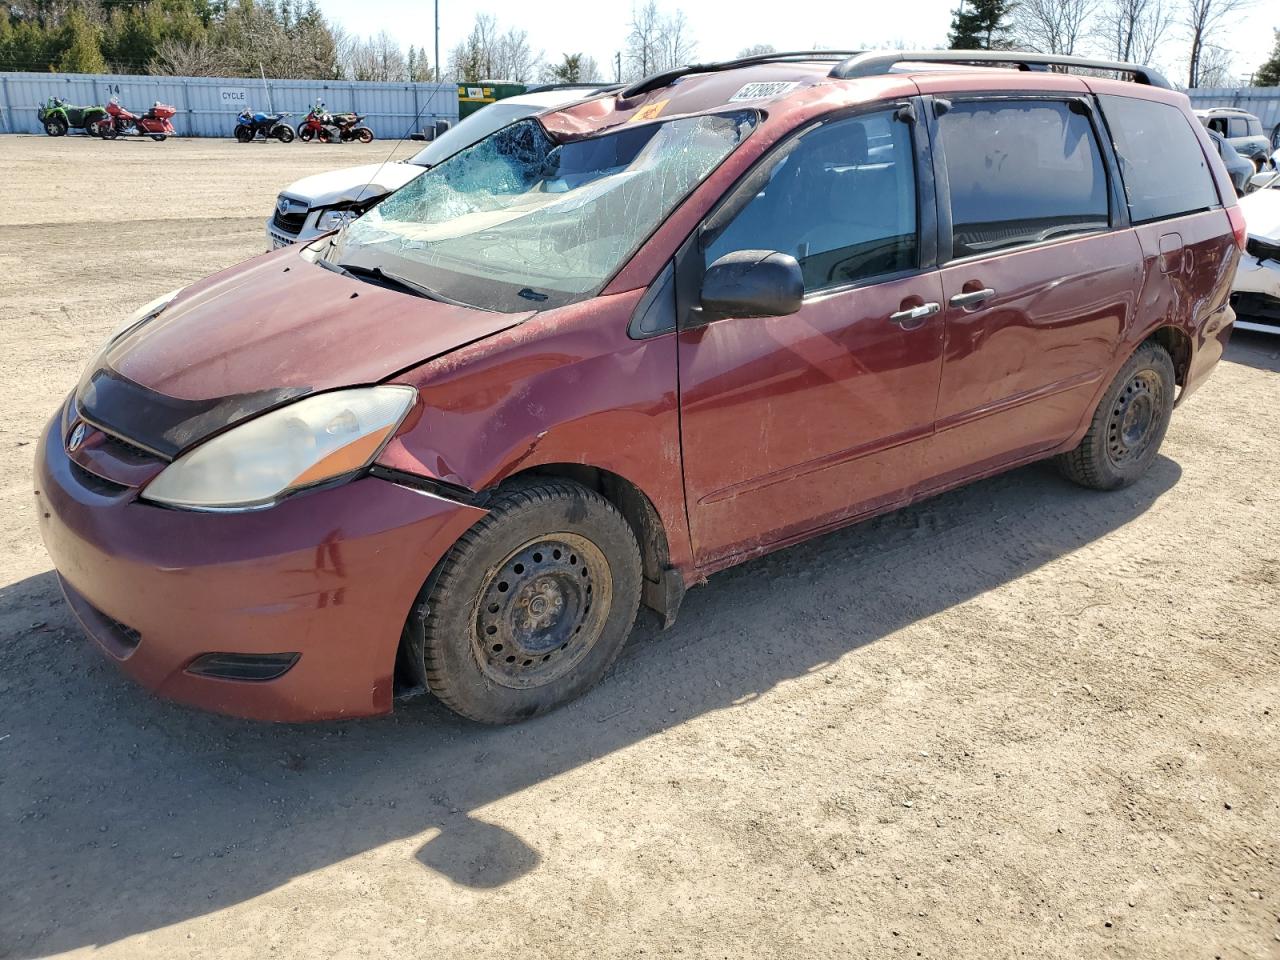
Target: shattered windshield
(519, 222)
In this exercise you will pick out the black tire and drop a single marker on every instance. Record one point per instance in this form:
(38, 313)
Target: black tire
(1129, 424)
(55, 127)
(158, 137)
(531, 606)
(364, 134)
(305, 133)
(326, 136)
(284, 133)
(244, 134)
(109, 132)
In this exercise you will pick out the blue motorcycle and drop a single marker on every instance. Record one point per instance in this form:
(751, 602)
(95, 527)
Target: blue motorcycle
(249, 125)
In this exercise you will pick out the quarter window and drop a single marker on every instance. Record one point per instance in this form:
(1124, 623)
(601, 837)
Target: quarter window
(842, 201)
(1021, 172)
(1165, 172)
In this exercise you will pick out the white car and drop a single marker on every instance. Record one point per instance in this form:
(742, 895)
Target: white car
(323, 202)
(1255, 294)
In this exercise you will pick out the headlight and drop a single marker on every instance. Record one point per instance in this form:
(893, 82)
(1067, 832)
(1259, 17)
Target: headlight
(143, 314)
(336, 219)
(320, 438)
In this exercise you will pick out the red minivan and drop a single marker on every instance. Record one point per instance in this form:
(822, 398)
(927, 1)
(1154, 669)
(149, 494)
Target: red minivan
(610, 350)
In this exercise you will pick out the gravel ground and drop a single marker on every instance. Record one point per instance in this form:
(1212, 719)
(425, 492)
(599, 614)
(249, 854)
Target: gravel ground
(1021, 719)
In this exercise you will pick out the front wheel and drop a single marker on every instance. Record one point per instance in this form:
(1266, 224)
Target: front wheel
(284, 133)
(305, 133)
(244, 134)
(158, 137)
(55, 127)
(108, 131)
(531, 606)
(1129, 424)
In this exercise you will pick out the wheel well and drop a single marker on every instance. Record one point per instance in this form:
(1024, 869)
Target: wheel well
(655, 556)
(1178, 345)
(663, 588)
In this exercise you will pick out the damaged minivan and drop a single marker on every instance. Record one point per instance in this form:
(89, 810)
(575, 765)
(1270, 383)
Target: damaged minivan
(610, 350)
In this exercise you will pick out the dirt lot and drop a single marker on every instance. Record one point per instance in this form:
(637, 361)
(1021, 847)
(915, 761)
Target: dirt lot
(1021, 719)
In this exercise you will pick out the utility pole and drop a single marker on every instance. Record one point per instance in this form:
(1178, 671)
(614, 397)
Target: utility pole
(437, 41)
(617, 67)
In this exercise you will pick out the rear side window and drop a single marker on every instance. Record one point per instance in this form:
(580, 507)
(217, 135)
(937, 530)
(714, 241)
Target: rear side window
(1165, 172)
(1021, 172)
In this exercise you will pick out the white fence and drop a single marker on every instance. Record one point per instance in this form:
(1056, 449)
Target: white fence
(207, 106)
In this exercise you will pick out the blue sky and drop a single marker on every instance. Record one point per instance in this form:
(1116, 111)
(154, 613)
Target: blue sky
(723, 27)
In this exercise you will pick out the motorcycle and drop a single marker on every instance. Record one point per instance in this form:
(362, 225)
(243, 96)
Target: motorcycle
(314, 123)
(250, 124)
(343, 127)
(57, 117)
(119, 122)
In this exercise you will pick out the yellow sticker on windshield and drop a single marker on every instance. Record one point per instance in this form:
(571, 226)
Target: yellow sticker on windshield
(649, 111)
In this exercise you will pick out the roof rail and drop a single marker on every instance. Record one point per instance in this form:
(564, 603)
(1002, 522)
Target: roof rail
(658, 80)
(600, 87)
(872, 64)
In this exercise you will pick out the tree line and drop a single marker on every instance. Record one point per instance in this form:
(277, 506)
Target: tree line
(293, 39)
(1129, 30)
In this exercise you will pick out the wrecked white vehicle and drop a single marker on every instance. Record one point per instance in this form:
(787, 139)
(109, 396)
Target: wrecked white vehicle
(1255, 295)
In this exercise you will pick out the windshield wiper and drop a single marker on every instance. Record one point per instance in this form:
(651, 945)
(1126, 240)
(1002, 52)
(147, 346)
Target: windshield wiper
(379, 276)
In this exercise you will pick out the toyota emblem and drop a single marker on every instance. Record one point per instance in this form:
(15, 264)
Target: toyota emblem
(76, 438)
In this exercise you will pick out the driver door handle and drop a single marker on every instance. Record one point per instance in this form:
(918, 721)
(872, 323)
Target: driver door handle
(908, 318)
(971, 298)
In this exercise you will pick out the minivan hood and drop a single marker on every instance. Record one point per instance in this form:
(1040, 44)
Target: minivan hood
(352, 184)
(259, 335)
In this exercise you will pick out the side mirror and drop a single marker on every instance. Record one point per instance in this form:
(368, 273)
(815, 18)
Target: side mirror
(751, 283)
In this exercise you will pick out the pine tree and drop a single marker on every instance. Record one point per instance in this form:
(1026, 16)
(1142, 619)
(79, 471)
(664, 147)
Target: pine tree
(980, 25)
(1268, 74)
(81, 46)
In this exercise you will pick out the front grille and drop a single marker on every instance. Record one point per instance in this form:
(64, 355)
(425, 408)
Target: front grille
(123, 450)
(96, 484)
(291, 220)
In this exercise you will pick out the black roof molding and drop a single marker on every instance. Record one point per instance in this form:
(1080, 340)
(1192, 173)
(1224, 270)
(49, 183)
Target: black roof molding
(878, 63)
(658, 80)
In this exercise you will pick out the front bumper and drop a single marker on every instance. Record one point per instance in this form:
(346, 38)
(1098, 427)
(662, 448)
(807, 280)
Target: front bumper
(330, 575)
(1255, 294)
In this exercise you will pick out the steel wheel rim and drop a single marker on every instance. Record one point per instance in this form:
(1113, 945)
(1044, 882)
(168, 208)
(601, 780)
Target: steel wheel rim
(541, 611)
(1135, 418)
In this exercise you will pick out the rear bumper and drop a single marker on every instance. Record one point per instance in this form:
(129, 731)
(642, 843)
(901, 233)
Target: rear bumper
(329, 575)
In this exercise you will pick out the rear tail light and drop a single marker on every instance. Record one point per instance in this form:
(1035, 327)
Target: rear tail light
(1238, 227)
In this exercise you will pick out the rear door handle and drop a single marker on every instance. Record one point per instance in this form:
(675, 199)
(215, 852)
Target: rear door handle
(908, 318)
(972, 297)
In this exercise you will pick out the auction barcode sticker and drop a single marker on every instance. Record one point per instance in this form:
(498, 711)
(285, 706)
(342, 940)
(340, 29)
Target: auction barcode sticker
(758, 91)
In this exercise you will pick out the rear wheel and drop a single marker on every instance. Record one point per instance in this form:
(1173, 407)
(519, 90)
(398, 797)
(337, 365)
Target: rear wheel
(284, 133)
(55, 127)
(364, 134)
(531, 606)
(1129, 424)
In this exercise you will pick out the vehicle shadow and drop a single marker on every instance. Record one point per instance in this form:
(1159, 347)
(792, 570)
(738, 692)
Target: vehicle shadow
(124, 814)
(1258, 350)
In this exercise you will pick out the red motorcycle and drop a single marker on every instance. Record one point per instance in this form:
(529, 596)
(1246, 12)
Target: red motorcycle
(155, 123)
(315, 123)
